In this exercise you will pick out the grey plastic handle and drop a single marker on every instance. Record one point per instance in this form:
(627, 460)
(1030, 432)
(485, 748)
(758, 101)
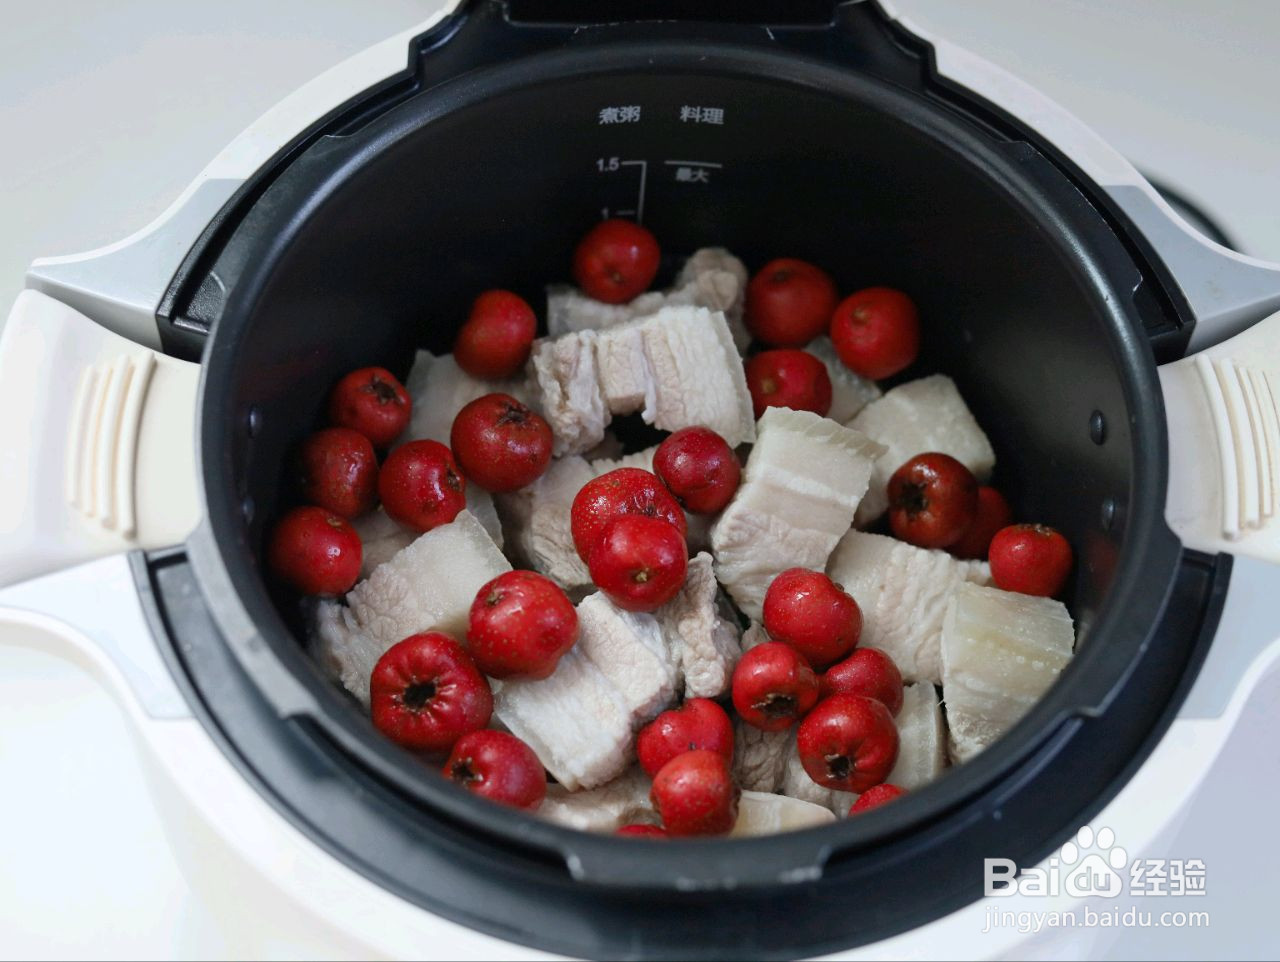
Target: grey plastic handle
(1227, 291)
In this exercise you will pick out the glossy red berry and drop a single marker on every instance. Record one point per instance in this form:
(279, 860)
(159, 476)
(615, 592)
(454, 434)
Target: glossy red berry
(875, 796)
(848, 742)
(699, 468)
(498, 766)
(338, 471)
(494, 342)
(425, 693)
(773, 687)
(811, 613)
(616, 261)
(695, 794)
(876, 332)
(698, 723)
(869, 672)
(315, 551)
(521, 624)
(641, 831)
(789, 302)
(618, 492)
(933, 499)
(788, 378)
(639, 562)
(370, 400)
(1031, 558)
(993, 513)
(500, 443)
(421, 486)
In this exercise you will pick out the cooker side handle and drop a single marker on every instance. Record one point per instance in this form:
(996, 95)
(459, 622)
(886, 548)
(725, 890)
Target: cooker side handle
(97, 442)
(1222, 406)
(1227, 291)
(122, 284)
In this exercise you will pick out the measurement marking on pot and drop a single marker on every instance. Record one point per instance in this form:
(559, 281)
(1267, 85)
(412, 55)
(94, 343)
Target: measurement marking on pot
(693, 171)
(644, 173)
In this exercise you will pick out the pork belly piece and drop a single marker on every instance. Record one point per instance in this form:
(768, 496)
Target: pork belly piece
(631, 652)
(760, 813)
(575, 720)
(623, 801)
(569, 310)
(440, 389)
(430, 584)
(712, 278)
(922, 739)
(536, 522)
(716, 280)
(581, 720)
(903, 593)
(381, 536)
(344, 652)
(569, 394)
(622, 364)
(800, 488)
(696, 371)
(912, 418)
(481, 504)
(850, 392)
(678, 367)
(703, 641)
(759, 758)
(1000, 653)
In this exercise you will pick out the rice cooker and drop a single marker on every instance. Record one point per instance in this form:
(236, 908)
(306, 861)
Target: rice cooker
(1124, 366)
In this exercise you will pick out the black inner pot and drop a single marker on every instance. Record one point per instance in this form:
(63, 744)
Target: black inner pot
(373, 241)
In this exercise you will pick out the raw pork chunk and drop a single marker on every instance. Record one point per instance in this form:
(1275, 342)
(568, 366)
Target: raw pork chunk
(760, 813)
(576, 722)
(922, 739)
(697, 374)
(903, 593)
(381, 536)
(1000, 653)
(624, 801)
(702, 636)
(626, 668)
(536, 526)
(712, 278)
(759, 758)
(568, 391)
(428, 585)
(440, 389)
(800, 488)
(631, 652)
(920, 416)
(850, 392)
(678, 367)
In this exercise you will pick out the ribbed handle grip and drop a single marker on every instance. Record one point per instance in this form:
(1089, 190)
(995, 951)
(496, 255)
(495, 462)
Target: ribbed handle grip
(97, 447)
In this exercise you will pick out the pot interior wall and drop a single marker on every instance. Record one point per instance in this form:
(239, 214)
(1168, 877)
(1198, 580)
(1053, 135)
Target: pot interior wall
(400, 224)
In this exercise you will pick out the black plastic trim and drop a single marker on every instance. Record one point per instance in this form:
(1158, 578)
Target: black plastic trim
(517, 893)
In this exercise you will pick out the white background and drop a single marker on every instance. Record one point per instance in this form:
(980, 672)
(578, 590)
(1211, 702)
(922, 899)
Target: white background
(108, 110)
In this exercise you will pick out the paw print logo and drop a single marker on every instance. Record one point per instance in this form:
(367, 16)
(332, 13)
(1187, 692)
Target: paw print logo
(1093, 864)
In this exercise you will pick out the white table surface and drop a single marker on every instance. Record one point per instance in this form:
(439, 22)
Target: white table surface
(108, 111)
